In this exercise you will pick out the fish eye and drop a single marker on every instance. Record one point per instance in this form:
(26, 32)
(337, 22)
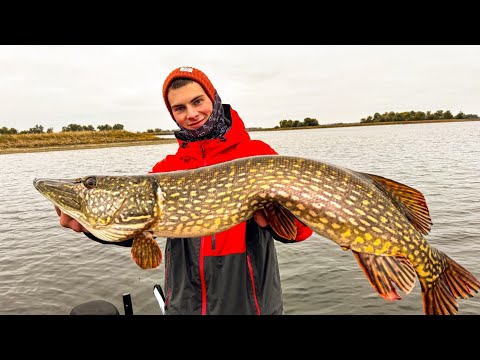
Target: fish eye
(90, 182)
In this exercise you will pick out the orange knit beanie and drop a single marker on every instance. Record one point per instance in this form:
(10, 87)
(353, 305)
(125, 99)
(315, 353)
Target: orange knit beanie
(189, 73)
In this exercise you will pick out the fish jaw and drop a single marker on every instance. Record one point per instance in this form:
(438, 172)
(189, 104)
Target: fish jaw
(113, 208)
(66, 194)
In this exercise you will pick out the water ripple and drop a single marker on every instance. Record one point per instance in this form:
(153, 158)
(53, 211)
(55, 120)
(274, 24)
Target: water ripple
(46, 269)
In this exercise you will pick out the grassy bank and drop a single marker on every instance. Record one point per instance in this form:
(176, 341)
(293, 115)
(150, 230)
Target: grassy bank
(74, 140)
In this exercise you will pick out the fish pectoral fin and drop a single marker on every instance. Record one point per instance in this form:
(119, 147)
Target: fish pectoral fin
(145, 251)
(381, 271)
(281, 220)
(412, 201)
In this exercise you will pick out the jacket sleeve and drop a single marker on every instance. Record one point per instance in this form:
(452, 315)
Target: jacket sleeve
(255, 147)
(303, 232)
(163, 165)
(126, 243)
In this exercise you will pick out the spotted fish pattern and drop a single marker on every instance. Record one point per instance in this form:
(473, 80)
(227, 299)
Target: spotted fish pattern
(383, 222)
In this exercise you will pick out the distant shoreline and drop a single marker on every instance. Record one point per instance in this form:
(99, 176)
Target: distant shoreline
(86, 146)
(367, 124)
(67, 147)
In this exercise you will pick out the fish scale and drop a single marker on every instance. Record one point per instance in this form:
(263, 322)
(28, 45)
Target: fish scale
(383, 222)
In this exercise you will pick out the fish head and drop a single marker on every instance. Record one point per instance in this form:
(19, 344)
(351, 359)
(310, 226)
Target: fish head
(113, 208)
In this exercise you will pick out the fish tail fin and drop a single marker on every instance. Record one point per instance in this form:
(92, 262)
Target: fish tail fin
(455, 282)
(385, 271)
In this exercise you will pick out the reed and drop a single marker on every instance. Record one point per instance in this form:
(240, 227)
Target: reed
(63, 139)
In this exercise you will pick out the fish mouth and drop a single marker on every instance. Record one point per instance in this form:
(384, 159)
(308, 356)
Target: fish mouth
(41, 182)
(64, 193)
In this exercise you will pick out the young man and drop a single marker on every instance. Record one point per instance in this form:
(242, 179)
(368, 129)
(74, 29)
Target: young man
(235, 271)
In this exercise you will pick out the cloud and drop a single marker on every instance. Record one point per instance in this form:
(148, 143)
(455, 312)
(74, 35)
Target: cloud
(93, 85)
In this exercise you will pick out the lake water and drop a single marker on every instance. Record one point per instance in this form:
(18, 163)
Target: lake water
(47, 269)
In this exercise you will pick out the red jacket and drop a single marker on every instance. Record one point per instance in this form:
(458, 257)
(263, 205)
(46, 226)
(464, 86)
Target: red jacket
(232, 272)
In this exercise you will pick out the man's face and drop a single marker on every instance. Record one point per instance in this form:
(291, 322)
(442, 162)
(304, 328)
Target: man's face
(191, 106)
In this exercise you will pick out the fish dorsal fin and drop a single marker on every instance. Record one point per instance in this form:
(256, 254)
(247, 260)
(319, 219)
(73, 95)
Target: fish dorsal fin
(281, 220)
(410, 200)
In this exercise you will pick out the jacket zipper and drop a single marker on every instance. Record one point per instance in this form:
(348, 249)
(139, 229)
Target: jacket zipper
(202, 256)
(252, 280)
(204, 157)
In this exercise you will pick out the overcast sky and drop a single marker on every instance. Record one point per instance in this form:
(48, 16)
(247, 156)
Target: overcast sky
(94, 85)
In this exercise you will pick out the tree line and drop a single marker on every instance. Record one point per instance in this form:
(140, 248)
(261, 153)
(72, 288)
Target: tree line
(416, 115)
(377, 117)
(297, 123)
(39, 129)
(387, 117)
(156, 130)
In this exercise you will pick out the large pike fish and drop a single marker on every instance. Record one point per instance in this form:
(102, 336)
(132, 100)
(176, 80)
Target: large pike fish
(381, 221)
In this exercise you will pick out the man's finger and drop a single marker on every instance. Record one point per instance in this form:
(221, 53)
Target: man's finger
(76, 226)
(260, 218)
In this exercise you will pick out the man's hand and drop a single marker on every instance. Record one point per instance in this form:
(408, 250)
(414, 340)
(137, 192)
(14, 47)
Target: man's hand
(260, 218)
(68, 222)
